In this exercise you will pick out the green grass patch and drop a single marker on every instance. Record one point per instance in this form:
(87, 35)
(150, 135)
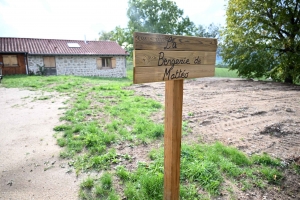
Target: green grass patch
(225, 72)
(202, 167)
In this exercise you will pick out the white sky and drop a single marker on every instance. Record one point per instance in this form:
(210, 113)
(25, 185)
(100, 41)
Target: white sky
(73, 19)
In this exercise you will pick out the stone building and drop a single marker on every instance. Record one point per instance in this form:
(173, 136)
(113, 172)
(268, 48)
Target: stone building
(62, 57)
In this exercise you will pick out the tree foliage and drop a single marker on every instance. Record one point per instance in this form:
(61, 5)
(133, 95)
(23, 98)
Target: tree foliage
(211, 31)
(154, 16)
(262, 38)
(105, 35)
(158, 16)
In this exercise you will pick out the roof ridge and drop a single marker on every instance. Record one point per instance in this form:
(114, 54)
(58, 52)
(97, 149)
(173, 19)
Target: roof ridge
(57, 39)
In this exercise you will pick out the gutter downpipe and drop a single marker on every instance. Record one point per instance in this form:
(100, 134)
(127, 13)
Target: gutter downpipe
(26, 62)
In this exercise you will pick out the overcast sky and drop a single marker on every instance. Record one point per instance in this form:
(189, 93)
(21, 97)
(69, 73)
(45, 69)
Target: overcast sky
(73, 19)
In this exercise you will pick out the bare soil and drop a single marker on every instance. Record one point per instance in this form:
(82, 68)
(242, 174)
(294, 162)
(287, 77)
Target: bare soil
(252, 116)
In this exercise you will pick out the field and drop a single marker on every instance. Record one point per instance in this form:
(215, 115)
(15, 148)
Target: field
(240, 138)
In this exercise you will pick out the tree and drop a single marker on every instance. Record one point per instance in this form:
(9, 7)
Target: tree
(262, 38)
(105, 35)
(158, 16)
(121, 35)
(211, 31)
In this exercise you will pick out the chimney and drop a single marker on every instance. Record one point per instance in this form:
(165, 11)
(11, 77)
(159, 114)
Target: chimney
(85, 40)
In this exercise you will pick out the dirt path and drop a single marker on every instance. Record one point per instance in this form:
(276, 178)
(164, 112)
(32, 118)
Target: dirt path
(30, 167)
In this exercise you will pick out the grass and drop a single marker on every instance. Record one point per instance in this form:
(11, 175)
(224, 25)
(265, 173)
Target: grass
(101, 113)
(225, 72)
(202, 167)
(101, 188)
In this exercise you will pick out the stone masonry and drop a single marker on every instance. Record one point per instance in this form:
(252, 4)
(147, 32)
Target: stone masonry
(80, 66)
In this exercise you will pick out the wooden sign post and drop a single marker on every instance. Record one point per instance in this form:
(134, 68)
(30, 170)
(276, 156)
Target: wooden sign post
(172, 58)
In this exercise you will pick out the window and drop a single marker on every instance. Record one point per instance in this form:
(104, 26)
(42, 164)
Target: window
(106, 63)
(73, 45)
(49, 61)
(10, 61)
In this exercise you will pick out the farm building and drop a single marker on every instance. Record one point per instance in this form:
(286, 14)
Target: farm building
(62, 57)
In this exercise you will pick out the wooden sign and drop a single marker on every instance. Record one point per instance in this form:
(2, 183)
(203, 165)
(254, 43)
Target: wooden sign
(159, 57)
(172, 59)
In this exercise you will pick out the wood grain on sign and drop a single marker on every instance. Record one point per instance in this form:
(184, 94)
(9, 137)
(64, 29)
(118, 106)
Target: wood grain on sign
(150, 58)
(167, 73)
(150, 41)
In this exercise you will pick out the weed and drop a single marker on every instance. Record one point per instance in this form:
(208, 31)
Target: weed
(185, 128)
(106, 181)
(66, 154)
(62, 127)
(98, 189)
(272, 175)
(43, 97)
(122, 173)
(296, 168)
(61, 142)
(190, 114)
(265, 159)
(87, 183)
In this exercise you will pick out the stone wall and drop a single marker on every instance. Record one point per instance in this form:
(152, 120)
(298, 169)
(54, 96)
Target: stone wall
(80, 66)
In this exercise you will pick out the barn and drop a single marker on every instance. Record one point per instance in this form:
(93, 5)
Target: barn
(62, 57)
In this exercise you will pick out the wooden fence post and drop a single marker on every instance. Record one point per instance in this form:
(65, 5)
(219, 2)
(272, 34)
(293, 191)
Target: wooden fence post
(172, 138)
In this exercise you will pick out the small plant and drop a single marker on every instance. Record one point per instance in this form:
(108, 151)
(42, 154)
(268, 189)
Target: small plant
(31, 73)
(98, 189)
(87, 183)
(190, 114)
(41, 70)
(122, 173)
(43, 97)
(106, 181)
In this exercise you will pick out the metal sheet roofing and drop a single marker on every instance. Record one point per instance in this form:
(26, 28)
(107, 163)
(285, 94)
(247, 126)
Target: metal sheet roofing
(59, 47)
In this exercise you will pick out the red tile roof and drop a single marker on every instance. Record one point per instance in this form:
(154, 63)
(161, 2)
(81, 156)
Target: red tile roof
(59, 47)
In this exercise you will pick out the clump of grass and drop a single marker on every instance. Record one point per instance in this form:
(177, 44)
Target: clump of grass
(98, 188)
(62, 127)
(123, 173)
(87, 183)
(265, 159)
(43, 97)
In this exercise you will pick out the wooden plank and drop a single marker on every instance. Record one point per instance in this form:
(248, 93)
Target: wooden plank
(21, 64)
(172, 138)
(162, 58)
(47, 62)
(113, 63)
(52, 61)
(166, 73)
(6, 60)
(99, 63)
(162, 42)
